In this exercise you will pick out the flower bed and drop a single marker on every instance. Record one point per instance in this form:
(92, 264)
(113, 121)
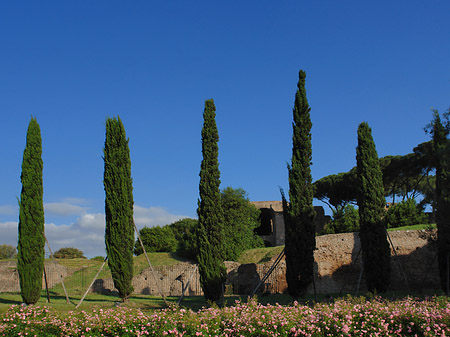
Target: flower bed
(344, 317)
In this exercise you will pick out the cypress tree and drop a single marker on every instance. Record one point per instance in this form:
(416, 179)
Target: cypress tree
(119, 234)
(371, 202)
(31, 254)
(299, 214)
(210, 215)
(442, 164)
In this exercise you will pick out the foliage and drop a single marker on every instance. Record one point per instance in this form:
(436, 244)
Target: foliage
(185, 234)
(405, 213)
(69, 253)
(345, 220)
(427, 187)
(31, 254)
(156, 239)
(299, 213)
(344, 317)
(371, 202)
(7, 251)
(119, 234)
(210, 231)
(98, 258)
(337, 189)
(441, 159)
(404, 176)
(241, 218)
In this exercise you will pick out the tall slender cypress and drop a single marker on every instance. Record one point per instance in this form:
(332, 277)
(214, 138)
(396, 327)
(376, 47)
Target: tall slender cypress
(210, 215)
(299, 214)
(442, 163)
(371, 202)
(119, 234)
(31, 254)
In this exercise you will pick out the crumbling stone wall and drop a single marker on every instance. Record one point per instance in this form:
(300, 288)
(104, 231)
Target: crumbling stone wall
(9, 276)
(337, 268)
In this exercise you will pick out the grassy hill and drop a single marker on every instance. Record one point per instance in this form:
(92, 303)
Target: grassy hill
(83, 271)
(259, 255)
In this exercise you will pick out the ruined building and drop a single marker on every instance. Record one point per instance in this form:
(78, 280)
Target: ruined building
(272, 221)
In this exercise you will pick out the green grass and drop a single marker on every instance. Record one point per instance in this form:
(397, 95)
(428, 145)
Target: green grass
(259, 255)
(59, 303)
(140, 262)
(150, 303)
(83, 271)
(412, 228)
(143, 302)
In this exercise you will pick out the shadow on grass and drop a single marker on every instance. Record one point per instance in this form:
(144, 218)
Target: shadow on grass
(10, 301)
(179, 258)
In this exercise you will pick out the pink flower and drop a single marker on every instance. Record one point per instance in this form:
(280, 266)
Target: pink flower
(345, 328)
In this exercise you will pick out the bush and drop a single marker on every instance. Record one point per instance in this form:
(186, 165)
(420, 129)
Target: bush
(345, 220)
(156, 239)
(241, 218)
(98, 258)
(69, 253)
(7, 252)
(405, 213)
(184, 231)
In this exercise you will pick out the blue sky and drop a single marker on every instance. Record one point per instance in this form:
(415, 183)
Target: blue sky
(72, 64)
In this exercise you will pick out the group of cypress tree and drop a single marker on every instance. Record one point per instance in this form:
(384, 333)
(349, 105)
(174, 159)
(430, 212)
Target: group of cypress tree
(119, 234)
(298, 213)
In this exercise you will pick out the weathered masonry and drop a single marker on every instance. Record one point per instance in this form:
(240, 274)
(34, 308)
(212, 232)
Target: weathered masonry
(272, 221)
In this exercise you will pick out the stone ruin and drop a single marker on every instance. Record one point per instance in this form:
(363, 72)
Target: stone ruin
(271, 229)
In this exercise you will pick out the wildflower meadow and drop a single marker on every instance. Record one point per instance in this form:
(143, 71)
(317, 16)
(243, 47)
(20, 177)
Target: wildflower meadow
(350, 316)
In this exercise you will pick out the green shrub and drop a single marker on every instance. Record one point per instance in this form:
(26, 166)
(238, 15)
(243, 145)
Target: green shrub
(69, 253)
(345, 220)
(405, 213)
(156, 239)
(185, 234)
(7, 252)
(98, 258)
(241, 218)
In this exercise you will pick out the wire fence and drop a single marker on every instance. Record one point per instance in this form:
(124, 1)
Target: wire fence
(163, 280)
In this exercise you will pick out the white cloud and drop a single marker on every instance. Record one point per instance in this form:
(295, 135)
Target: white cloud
(154, 216)
(65, 208)
(86, 234)
(88, 231)
(8, 232)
